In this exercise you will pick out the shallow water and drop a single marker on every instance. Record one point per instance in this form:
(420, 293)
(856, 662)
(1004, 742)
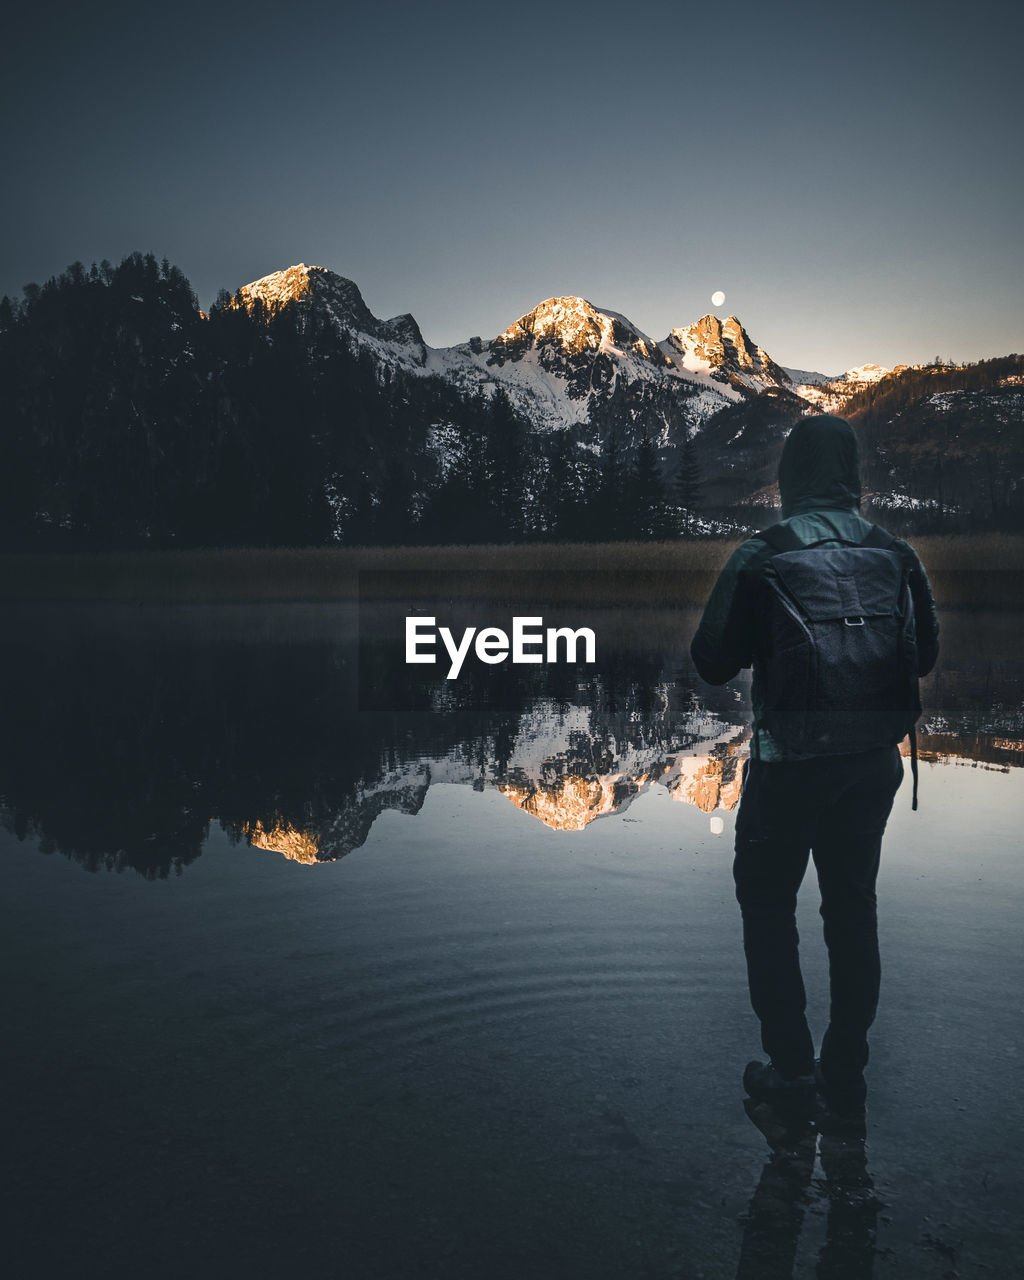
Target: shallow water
(479, 1005)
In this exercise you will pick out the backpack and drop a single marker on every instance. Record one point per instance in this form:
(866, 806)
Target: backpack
(837, 656)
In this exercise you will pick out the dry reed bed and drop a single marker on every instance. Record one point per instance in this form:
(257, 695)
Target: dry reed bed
(985, 570)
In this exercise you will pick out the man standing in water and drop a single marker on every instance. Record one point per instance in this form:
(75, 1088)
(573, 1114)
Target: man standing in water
(817, 783)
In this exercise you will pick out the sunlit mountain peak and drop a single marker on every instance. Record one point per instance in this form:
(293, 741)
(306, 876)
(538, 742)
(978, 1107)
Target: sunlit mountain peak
(831, 394)
(575, 325)
(334, 297)
(723, 349)
(302, 281)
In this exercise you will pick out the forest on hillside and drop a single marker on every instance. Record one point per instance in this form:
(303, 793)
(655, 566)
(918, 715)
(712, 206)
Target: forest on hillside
(953, 436)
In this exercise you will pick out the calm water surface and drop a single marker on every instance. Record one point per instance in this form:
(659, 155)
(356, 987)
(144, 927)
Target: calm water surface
(298, 989)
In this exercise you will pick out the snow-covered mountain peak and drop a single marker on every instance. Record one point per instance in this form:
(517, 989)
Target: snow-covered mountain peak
(723, 350)
(865, 373)
(303, 284)
(574, 325)
(335, 297)
(832, 394)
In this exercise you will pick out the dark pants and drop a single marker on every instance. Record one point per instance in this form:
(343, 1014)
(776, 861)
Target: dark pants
(835, 808)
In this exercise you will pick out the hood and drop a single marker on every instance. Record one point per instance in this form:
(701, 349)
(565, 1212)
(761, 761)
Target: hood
(820, 466)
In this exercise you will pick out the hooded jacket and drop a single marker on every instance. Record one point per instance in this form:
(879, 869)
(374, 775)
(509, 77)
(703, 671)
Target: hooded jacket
(819, 484)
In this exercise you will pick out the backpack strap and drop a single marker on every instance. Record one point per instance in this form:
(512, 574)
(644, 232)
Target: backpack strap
(913, 762)
(780, 537)
(878, 537)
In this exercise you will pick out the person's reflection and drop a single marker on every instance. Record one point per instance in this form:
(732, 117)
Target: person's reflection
(775, 1215)
(853, 1207)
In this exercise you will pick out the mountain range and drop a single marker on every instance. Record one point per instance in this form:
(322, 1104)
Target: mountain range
(941, 442)
(561, 361)
(292, 415)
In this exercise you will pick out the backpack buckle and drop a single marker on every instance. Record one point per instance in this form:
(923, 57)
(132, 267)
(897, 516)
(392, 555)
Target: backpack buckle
(854, 622)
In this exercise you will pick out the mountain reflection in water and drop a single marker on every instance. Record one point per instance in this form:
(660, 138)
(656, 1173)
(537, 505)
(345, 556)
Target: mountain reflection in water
(128, 730)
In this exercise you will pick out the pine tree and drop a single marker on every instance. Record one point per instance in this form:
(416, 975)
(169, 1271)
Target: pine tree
(646, 516)
(569, 497)
(687, 487)
(609, 512)
(506, 462)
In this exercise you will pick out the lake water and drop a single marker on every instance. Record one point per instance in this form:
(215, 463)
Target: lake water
(295, 988)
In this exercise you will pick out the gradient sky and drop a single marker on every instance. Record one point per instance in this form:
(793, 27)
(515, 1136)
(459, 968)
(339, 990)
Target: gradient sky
(850, 176)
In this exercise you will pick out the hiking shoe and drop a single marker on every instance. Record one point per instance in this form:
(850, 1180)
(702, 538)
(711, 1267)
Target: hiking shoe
(844, 1102)
(787, 1093)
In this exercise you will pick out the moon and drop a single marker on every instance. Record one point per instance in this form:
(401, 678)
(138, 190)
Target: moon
(717, 298)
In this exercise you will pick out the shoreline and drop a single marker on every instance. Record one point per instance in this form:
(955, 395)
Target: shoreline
(982, 570)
